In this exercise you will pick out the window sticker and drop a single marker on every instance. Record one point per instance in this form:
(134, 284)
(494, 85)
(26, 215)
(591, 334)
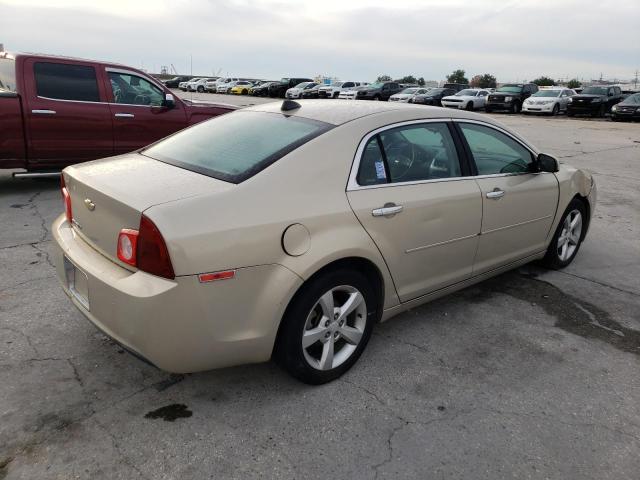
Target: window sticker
(380, 173)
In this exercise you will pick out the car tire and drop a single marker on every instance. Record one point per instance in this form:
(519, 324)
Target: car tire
(566, 241)
(200, 89)
(469, 107)
(515, 107)
(487, 110)
(376, 98)
(333, 343)
(556, 110)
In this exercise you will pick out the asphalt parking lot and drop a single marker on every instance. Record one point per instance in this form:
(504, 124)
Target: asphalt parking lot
(533, 374)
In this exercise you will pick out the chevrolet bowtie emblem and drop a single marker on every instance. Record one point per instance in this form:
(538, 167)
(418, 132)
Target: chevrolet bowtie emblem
(89, 204)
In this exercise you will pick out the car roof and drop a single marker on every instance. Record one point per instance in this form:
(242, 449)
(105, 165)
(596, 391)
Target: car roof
(338, 113)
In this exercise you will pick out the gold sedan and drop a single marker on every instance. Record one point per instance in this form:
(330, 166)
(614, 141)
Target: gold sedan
(289, 230)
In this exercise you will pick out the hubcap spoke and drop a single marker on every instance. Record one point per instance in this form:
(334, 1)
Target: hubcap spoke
(350, 334)
(314, 335)
(326, 361)
(576, 222)
(327, 305)
(354, 300)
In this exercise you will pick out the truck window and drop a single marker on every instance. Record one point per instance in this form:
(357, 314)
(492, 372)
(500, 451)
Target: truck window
(66, 82)
(8, 74)
(133, 90)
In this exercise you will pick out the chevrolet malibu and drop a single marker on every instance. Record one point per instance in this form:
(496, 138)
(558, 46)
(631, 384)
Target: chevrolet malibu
(288, 231)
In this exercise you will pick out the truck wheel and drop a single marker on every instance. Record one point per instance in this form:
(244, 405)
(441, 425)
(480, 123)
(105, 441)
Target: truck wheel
(515, 107)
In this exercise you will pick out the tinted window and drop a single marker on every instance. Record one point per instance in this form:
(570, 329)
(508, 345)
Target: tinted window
(412, 153)
(8, 74)
(494, 152)
(134, 90)
(66, 82)
(236, 146)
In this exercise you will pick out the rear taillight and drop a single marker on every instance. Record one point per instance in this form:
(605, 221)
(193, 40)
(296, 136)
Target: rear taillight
(127, 246)
(145, 248)
(66, 198)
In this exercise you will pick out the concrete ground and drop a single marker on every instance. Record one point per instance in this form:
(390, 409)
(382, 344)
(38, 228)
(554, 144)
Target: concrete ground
(531, 375)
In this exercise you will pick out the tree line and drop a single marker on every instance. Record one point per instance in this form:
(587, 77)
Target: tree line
(478, 81)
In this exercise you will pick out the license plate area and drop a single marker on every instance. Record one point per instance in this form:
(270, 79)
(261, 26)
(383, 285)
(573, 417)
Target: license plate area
(77, 282)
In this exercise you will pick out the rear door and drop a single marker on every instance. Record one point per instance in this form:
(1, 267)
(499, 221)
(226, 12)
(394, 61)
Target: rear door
(68, 120)
(136, 110)
(409, 190)
(518, 204)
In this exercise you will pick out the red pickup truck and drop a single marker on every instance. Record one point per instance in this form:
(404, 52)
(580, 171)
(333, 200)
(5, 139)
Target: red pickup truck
(56, 111)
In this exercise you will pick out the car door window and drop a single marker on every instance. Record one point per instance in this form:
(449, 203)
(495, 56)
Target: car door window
(409, 153)
(66, 82)
(133, 90)
(494, 152)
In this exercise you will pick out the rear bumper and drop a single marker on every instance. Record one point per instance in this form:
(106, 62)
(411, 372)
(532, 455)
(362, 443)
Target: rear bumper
(179, 325)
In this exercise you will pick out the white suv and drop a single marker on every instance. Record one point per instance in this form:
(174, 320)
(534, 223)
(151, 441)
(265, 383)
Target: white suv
(333, 90)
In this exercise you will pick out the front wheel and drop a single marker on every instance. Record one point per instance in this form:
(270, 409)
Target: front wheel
(568, 237)
(556, 110)
(327, 326)
(200, 89)
(515, 107)
(487, 109)
(469, 107)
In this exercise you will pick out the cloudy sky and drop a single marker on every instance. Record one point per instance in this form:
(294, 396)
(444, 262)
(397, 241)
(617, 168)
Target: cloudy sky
(350, 39)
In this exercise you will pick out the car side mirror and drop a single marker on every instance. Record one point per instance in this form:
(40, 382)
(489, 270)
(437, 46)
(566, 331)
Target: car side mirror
(169, 101)
(546, 163)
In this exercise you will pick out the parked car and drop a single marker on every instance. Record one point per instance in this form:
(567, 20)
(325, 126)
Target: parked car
(305, 277)
(548, 100)
(226, 87)
(433, 97)
(296, 92)
(510, 97)
(333, 90)
(183, 85)
(241, 87)
(261, 90)
(175, 81)
(57, 111)
(279, 89)
(311, 92)
(468, 99)
(628, 109)
(199, 85)
(594, 101)
(351, 94)
(407, 94)
(378, 91)
(457, 86)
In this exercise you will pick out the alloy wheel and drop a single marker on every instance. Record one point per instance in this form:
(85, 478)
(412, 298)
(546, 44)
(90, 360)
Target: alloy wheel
(569, 237)
(334, 327)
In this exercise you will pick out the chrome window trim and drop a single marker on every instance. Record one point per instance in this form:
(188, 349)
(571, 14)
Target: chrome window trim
(72, 101)
(353, 184)
(514, 137)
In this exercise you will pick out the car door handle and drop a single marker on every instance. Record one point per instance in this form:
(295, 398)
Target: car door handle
(124, 115)
(44, 112)
(495, 194)
(388, 210)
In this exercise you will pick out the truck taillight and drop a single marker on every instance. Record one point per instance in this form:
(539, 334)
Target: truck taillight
(66, 198)
(145, 248)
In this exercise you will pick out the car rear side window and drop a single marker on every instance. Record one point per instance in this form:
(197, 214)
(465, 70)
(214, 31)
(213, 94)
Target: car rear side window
(408, 154)
(236, 146)
(66, 82)
(494, 152)
(8, 74)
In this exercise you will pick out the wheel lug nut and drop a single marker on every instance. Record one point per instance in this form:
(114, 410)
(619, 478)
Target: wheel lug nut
(326, 324)
(336, 335)
(335, 316)
(341, 322)
(327, 335)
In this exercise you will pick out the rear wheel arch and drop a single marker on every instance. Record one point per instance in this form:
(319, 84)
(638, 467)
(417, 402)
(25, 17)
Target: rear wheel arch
(358, 264)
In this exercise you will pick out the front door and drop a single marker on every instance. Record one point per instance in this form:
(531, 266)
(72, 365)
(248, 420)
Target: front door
(412, 197)
(67, 117)
(518, 204)
(138, 116)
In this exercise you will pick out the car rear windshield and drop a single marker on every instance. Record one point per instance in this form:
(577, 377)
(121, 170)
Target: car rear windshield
(236, 146)
(8, 74)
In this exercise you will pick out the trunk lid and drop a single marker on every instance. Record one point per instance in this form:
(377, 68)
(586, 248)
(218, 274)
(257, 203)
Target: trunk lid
(111, 194)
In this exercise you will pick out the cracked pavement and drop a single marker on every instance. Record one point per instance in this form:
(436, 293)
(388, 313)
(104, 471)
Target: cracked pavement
(531, 375)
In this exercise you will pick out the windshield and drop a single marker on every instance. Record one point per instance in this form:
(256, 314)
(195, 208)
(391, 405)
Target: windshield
(595, 91)
(409, 90)
(510, 88)
(284, 80)
(336, 84)
(433, 92)
(236, 146)
(466, 93)
(633, 99)
(547, 93)
(8, 74)
(375, 85)
(302, 85)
